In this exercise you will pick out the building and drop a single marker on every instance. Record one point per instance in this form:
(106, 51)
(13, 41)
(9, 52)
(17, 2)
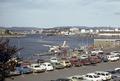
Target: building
(106, 43)
(2, 31)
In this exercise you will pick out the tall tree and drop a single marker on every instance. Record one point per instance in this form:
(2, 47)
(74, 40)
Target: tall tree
(7, 55)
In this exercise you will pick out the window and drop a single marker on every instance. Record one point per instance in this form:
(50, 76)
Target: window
(90, 76)
(49, 64)
(37, 66)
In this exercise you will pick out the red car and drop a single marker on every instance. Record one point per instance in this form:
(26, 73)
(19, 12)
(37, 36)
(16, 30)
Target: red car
(85, 61)
(75, 61)
(94, 59)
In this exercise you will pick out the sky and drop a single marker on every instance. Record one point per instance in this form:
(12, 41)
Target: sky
(54, 13)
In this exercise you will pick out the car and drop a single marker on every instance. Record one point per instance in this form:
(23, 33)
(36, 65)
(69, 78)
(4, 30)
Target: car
(83, 56)
(53, 60)
(77, 78)
(57, 65)
(48, 66)
(20, 70)
(104, 58)
(37, 68)
(62, 79)
(104, 75)
(115, 53)
(117, 69)
(75, 61)
(116, 78)
(14, 72)
(94, 59)
(65, 63)
(113, 58)
(85, 61)
(96, 51)
(92, 77)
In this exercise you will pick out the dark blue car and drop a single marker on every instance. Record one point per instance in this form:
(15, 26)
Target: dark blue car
(24, 70)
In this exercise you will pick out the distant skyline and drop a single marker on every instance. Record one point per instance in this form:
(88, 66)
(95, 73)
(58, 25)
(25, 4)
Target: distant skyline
(54, 13)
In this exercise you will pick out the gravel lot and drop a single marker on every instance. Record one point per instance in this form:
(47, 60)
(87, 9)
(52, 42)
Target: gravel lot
(51, 75)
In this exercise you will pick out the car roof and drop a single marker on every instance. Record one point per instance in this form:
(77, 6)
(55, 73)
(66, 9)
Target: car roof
(46, 63)
(101, 72)
(35, 64)
(117, 68)
(90, 74)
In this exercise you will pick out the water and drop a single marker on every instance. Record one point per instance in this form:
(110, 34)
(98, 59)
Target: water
(33, 44)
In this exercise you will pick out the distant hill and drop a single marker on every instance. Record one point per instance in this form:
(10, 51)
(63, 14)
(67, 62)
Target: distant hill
(23, 28)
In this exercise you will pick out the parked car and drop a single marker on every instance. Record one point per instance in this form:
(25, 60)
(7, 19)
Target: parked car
(92, 77)
(84, 56)
(116, 78)
(48, 66)
(53, 60)
(113, 58)
(65, 63)
(14, 72)
(115, 75)
(94, 59)
(115, 53)
(85, 61)
(77, 78)
(104, 75)
(57, 65)
(96, 51)
(104, 58)
(24, 70)
(117, 70)
(37, 68)
(75, 61)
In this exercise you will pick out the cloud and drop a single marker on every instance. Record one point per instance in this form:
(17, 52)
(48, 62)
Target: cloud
(117, 13)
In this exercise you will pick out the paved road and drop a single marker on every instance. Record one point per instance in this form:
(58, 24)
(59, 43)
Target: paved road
(47, 76)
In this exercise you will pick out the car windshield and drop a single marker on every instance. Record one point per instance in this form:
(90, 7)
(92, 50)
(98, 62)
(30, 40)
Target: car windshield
(53, 59)
(25, 67)
(95, 76)
(49, 64)
(37, 66)
(67, 62)
(103, 74)
(57, 63)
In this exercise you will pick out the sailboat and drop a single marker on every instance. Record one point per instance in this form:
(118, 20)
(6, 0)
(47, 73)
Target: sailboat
(57, 49)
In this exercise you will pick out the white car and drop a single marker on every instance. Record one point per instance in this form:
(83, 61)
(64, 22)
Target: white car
(104, 75)
(77, 78)
(113, 57)
(83, 56)
(115, 53)
(48, 66)
(92, 77)
(97, 51)
(37, 68)
(53, 60)
(117, 69)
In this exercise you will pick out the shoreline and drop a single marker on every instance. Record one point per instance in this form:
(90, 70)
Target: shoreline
(12, 36)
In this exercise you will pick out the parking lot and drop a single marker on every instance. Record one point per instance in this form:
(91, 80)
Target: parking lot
(51, 75)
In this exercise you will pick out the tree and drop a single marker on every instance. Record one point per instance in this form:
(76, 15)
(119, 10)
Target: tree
(7, 32)
(7, 57)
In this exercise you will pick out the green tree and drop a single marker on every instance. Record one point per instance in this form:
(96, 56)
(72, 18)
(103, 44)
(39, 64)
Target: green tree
(7, 58)
(7, 32)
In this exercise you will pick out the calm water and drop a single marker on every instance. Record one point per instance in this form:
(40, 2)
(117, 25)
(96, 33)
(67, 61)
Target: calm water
(33, 44)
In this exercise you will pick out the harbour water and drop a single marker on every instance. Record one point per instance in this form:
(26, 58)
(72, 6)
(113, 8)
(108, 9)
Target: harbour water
(33, 44)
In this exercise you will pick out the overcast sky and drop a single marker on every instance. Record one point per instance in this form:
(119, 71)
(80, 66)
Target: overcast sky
(52, 13)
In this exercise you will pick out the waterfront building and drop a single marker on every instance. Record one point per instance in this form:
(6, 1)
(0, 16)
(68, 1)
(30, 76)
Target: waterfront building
(106, 43)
